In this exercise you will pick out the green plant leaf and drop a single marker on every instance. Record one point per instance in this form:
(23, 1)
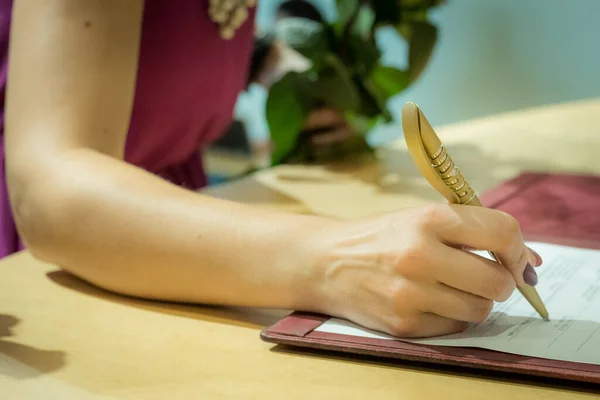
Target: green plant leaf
(389, 80)
(363, 26)
(404, 29)
(369, 106)
(335, 86)
(287, 107)
(380, 97)
(345, 9)
(386, 12)
(305, 36)
(364, 54)
(412, 4)
(372, 100)
(422, 41)
(362, 124)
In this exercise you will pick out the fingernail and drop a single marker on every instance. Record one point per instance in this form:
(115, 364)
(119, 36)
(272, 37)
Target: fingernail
(530, 276)
(538, 258)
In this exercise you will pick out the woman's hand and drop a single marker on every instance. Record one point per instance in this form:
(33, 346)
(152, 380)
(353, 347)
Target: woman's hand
(326, 126)
(406, 273)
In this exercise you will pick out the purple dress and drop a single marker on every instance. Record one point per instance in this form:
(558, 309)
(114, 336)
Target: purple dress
(187, 85)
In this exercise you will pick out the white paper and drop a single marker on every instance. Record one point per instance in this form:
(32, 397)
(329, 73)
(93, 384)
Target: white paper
(569, 285)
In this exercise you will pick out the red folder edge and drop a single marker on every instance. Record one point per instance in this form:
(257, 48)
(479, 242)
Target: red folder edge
(298, 329)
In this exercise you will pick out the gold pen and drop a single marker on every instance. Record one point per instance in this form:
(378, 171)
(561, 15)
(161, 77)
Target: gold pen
(439, 169)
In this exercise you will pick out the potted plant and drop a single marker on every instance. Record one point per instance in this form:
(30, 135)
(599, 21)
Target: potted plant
(346, 73)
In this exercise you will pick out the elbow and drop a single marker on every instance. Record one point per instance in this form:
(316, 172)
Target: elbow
(34, 239)
(62, 211)
(42, 207)
(51, 216)
(33, 220)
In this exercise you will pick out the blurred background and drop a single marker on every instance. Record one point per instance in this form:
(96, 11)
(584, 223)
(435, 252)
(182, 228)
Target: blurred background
(490, 57)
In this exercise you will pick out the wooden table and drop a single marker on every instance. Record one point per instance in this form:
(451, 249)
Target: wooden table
(61, 338)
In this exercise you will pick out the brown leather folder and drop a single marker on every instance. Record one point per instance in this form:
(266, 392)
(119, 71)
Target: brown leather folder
(553, 208)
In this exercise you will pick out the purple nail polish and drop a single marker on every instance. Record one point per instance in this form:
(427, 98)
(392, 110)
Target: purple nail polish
(530, 276)
(538, 258)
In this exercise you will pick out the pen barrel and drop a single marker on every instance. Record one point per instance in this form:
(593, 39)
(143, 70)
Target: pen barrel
(464, 194)
(447, 170)
(440, 170)
(532, 296)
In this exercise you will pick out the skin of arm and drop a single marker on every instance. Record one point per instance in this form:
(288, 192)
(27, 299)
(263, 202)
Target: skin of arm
(77, 204)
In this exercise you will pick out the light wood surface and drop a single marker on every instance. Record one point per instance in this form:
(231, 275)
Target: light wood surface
(62, 338)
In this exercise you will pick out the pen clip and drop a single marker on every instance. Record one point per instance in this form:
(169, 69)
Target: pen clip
(431, 157)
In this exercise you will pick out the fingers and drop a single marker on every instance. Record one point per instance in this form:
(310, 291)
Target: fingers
(326, 127)
(446, 310)
(471, 273)
(334, 136)
(426, 325)
(482, 228)
(454, 304)
(537, 259)
(324, 118)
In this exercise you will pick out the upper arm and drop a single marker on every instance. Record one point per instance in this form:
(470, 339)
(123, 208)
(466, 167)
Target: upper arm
(71, 79)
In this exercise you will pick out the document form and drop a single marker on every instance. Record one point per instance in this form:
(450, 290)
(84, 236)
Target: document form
(569, 284)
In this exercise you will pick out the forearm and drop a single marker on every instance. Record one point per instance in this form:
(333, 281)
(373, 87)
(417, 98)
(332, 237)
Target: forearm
(128, 231)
